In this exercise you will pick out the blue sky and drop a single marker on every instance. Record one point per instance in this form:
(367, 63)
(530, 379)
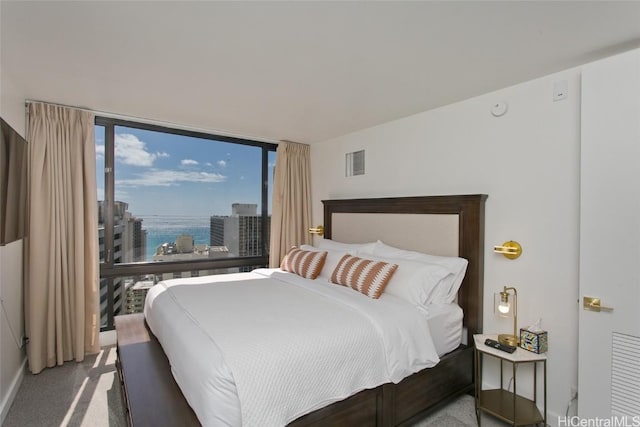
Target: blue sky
(166, 174)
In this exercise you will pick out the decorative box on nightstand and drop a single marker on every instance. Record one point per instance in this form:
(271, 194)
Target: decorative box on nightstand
(534, 341)
(502, 403)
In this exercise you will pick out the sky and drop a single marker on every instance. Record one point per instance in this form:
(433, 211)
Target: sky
(165, 174)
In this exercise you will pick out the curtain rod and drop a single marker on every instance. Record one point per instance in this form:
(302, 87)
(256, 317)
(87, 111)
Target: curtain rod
(152, 121)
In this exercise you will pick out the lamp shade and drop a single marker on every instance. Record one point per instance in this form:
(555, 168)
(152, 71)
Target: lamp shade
(505, 305)
(504, 308)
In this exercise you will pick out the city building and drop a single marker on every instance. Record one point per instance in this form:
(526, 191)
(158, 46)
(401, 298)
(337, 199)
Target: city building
(241, 232)
(184, 244)
(183, 249)
(139, 240)
(136, 294)
(129, 242)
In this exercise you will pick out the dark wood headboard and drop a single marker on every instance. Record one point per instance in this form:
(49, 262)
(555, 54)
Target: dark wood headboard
(470, 211)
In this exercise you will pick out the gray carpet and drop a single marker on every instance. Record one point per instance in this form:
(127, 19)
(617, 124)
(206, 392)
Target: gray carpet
(74, 394)
(460, 413)
(88, 394)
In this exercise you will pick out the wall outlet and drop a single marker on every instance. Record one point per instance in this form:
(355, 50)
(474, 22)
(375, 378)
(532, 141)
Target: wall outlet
(560, 89)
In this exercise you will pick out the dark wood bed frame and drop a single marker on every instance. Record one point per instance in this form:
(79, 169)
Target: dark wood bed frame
(152, 398)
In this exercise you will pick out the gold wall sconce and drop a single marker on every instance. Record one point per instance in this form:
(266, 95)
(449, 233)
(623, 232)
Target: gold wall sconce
(510, 249)
(319, 230)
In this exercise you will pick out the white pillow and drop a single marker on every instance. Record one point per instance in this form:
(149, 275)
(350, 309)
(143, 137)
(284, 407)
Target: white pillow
(351, 248)
(416, 282)
(330, 262)
(447, 292)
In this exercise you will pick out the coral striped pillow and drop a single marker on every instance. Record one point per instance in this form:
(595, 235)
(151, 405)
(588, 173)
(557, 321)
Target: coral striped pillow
(364, 275)
(307, 264)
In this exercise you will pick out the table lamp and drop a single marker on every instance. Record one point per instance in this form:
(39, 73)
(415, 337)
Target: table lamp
(506, 305)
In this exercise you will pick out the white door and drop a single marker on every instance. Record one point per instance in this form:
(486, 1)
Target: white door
(609, 341)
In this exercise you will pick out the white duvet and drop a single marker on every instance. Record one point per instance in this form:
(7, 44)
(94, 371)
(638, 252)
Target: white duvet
(266, 347)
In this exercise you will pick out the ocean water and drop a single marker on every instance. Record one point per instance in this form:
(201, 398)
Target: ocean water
(165, 228)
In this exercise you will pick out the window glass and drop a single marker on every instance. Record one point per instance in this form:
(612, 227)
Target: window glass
(167, 189)
(185, 198)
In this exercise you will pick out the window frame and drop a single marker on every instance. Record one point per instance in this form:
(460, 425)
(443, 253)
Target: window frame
(110, 270)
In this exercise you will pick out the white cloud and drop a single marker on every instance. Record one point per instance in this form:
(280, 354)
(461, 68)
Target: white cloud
(162, 154)
(209, 164)
(222, 163)
(99, 150)
(131, 151)
(166, 178)
(188, 162)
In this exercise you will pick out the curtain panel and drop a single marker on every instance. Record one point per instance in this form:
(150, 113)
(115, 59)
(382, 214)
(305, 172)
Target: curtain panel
(291, 210)
(62, 271)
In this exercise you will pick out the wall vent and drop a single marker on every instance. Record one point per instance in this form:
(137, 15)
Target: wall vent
(354, 163)
(625, 375)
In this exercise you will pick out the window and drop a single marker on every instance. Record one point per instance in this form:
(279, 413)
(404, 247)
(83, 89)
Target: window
(175, 203)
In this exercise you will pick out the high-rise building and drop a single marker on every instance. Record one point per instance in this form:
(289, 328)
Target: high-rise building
(250, 235)
(139, 240)
(216, 230)
(241, 232)
(136, 294)
(184, 243)
(129, 245)
(244, 209)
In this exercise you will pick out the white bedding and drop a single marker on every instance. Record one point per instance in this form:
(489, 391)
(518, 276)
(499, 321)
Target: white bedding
(254, 349)
(445, 324)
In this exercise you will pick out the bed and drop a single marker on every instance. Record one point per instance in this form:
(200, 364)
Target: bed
(441, 225)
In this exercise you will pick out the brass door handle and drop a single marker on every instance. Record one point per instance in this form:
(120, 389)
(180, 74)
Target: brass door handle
(593, 304)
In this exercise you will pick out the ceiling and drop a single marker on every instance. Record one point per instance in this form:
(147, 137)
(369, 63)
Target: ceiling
(304, 71)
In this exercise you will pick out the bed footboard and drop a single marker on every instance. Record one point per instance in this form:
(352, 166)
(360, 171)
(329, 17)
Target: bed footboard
(403, 403)
(151, 395)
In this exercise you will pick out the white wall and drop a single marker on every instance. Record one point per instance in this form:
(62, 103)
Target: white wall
(12, 355)
(12, 358)
(527, 161)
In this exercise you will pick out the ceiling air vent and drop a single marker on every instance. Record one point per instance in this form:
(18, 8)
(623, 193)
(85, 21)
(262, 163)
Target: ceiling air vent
(355, 163)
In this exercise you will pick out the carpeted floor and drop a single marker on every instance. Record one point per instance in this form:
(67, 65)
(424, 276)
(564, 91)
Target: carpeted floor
(460, 413)
(88, 394)
(74, 394)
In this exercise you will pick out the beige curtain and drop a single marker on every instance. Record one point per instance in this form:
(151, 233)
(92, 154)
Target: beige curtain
(291, 210)
(61, 283)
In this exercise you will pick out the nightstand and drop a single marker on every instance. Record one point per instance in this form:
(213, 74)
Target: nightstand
(502, 403)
